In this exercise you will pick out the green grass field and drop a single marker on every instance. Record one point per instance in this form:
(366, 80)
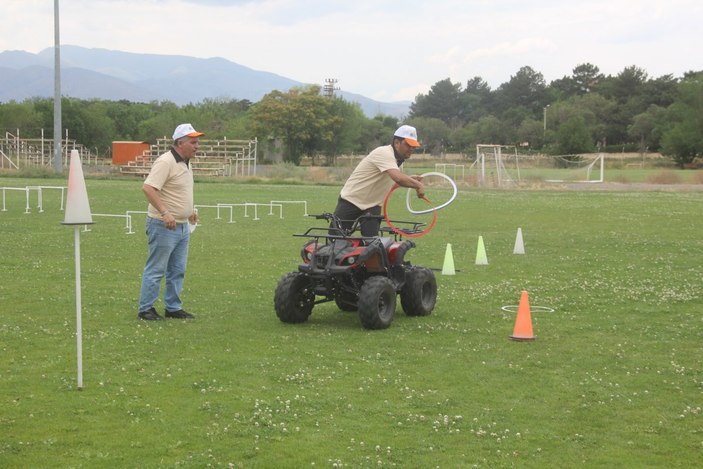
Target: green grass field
(615, 377)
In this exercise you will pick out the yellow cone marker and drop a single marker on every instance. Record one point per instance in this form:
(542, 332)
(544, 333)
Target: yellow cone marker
(448, 268)
(481, 258)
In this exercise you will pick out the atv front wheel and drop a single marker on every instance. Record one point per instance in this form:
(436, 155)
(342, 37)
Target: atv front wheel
(419, 294)
(294, 298)
(377, 299)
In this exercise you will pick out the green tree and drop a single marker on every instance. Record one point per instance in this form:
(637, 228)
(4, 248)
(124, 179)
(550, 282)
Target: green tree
(22, 116)
(346, 123)
(627, 90)
(477, 99)
(488, 130)
(683, 138)
(99, 129)
(532, 132)
(615, 110)
(44, 107)
(644, 126)
(511, 120)
(586, 77)
(376, 132)
(301, 117)
(165, 116)
(73, 119)
(573, 137)
(659, 91)
(624, 86)
(126, 117)
(464, 140)
(433, 134)
(525, 88)
(592, 108)
(443, 101)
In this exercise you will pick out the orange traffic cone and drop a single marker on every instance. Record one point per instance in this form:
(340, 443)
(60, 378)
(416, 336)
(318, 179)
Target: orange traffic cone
(523, 322)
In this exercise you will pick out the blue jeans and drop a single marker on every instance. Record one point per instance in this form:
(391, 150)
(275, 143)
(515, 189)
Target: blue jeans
(168, 256)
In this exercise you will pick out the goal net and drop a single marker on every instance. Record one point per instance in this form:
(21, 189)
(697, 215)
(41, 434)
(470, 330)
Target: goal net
(501, 165)
(496, 165)
(576, 168)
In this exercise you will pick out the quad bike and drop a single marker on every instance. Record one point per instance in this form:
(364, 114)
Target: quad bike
(363, 274)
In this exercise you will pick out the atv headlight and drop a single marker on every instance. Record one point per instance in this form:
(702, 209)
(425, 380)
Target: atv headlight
(351, 260)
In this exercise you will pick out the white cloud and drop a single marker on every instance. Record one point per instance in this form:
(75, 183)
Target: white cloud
(371, 46)
(509, 49)
(409, 93)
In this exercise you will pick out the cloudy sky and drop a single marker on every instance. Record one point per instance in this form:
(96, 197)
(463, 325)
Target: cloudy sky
(382, 49)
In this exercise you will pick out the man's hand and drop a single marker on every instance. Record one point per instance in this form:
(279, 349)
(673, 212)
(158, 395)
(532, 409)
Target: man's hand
(413, 181)
(169, 221)
(420, 190)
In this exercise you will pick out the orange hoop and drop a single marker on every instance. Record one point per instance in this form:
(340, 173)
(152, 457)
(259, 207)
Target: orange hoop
(398, 230)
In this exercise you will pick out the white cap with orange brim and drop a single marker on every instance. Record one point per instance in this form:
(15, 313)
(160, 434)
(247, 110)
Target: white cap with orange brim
(186, 130)
(409, 134)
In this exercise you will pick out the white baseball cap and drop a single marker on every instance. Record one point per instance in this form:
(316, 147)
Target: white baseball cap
(185, 130)
(409, 134)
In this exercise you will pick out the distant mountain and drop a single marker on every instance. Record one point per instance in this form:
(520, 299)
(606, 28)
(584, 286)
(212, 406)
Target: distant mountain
(114, 75)
(38, 81)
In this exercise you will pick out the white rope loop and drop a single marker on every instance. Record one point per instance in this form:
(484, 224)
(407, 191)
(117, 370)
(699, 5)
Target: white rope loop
(534, 309)
(432, 209)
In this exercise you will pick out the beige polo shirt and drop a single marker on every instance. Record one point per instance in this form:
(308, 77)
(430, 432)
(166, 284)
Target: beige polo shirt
(369, 183)
(174, 180)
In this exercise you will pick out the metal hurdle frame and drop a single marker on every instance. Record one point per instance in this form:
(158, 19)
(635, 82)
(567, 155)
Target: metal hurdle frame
(26, 192)
(304, 202)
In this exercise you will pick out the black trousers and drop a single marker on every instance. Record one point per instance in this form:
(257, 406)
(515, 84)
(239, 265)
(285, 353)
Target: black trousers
(348, 213)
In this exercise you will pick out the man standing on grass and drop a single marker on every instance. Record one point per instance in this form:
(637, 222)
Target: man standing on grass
(373, 177)
(169, 190)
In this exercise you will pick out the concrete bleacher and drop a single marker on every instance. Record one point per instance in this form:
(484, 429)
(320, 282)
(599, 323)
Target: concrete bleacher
(214, 158)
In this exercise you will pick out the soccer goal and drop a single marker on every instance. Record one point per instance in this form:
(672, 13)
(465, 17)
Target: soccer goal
(497, 165)
(575, 168)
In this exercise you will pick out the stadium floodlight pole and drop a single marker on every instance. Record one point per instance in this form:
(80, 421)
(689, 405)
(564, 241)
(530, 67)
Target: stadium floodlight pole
(57, 91)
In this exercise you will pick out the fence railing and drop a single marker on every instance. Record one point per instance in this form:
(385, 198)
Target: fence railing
(215, 157)
(17, 152)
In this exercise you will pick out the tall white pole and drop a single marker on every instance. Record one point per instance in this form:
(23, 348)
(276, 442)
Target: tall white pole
(79, 322)
(77, 214)
(57, 91)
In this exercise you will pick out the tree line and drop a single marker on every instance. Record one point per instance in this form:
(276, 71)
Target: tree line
(584, 112)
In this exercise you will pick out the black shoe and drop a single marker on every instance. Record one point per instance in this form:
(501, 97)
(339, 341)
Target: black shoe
(180, 314)
(149, 315)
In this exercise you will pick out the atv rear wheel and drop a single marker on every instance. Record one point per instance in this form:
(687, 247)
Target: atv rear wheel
(294, 298)
(377, 299)
(419, 294)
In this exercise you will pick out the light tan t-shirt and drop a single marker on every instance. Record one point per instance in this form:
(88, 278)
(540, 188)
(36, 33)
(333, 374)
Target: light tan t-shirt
(368, 184)
(174, 180)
